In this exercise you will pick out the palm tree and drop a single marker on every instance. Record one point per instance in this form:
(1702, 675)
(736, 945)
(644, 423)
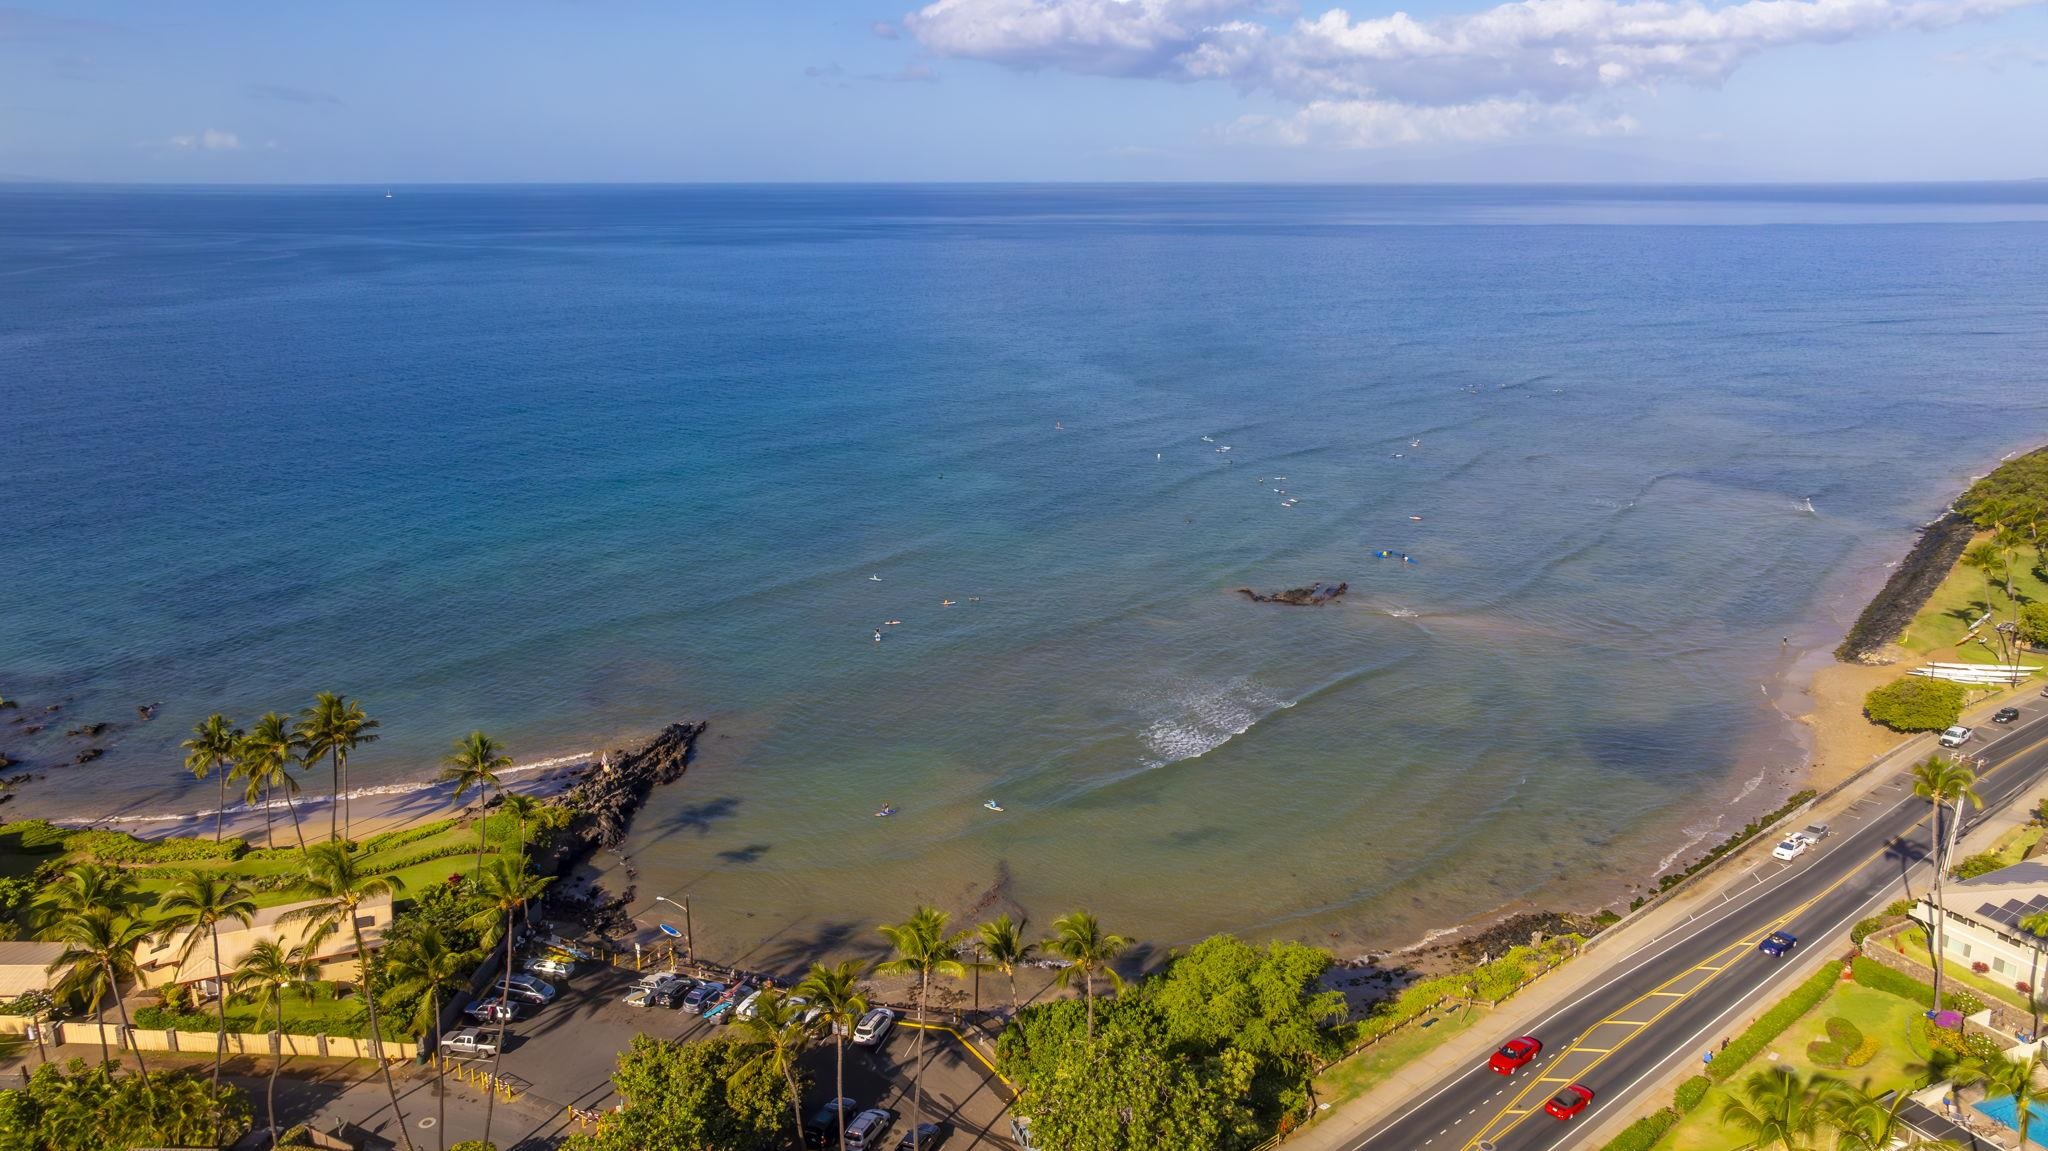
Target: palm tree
(923, 949)
(83, 887)
(1938, 780)
(198, 903)
(265, 972)
(1005, 949)
(779, 1027)
(508, 887)
(426, 966)
(99, 951)
(522, 808)
(1078, 939)
(1866, 1122)
(835, 993)
(338, 888)
(2036, 927)
(212, 748)
(1942, 1066)
(2013, 1079)
(1778, 1109)
(476, 762)
(267, 754)
(334, 727)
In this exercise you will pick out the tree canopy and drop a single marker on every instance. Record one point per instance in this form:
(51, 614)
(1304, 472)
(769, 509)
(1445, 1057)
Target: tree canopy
(1914, 703)
(2015, 493)
(709, 1096)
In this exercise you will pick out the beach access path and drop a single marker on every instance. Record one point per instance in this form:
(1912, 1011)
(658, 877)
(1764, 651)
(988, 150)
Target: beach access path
(1637, 1011)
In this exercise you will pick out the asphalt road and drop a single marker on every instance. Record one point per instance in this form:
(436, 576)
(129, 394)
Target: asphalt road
(1680, 995)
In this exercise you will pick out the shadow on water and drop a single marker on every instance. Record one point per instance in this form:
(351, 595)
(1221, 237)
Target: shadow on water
(751, 853)
(791, 950)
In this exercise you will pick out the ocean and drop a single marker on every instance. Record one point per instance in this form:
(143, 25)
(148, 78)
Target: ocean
(566, 464)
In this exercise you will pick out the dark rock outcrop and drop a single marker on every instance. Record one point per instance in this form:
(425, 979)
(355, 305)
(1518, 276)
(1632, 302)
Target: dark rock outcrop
(609, 794)
(1940, 545)
(1315, 593)
(86, 730)
(89, 754)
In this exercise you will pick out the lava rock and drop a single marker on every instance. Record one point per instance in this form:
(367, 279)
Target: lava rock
(1314, 594)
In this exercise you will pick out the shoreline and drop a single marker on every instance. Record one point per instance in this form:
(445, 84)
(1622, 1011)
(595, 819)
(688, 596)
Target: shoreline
(1817, 699)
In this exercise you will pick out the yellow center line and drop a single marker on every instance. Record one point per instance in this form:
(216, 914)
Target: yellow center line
(1513, 1113)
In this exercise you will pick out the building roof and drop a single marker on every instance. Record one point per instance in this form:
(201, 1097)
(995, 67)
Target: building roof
(2004, 897)
(25, 967)
(270, 923)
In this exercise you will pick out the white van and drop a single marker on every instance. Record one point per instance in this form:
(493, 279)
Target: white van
(1956, 736)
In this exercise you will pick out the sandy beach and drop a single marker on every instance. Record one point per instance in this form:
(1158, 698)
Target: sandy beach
(372, 810)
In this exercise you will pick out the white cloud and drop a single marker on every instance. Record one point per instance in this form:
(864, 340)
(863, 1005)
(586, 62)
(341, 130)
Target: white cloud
(211, 140)
(1386, 123)
(1524, 66)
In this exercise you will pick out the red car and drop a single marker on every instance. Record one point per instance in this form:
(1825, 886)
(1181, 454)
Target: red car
(1515, 1055)
(1568, 1102)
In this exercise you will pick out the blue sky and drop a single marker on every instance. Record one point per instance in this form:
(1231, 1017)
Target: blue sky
(699, 90)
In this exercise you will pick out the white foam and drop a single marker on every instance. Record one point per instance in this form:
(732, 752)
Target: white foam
(1200, 719)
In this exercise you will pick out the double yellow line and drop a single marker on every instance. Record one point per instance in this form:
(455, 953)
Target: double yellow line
(1512, 1113)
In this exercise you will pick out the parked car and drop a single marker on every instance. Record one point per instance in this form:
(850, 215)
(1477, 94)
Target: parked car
(1956, 736)
(749, 1005)
(1816, 831)
(551, 966)
(870, 1129)
(2006, 715)
(924, 1137)
(1515, 1054)
(1777, 943)
(874, 1027)
(822, 1129)
(702, 996)
(470, 1042)
(665, 995)
(1568, 1102)
(528, 989)
(495, 1010)
(1793, 847)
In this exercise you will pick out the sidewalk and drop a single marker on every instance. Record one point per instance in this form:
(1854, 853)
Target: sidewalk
(1336, 1129)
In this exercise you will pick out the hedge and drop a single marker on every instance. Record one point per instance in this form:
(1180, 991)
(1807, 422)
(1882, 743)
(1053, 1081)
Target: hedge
(1772, 1023)
(1643, 1134)
(1691, 1092)
(120, 847)
(1865, 928)
(1749, 831)
(1876, 976)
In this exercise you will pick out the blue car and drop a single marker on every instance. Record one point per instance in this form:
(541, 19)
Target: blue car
(1778, 943)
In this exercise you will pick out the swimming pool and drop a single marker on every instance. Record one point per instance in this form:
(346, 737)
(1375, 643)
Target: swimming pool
(2003, 1110)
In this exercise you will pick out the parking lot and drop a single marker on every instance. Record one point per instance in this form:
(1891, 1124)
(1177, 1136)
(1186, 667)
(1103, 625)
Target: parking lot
(565, 1053)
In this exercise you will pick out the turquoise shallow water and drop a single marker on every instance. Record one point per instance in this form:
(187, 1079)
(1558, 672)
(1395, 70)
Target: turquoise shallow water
(566, 464)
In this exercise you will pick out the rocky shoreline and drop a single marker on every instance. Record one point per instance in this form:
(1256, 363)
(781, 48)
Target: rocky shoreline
(605, 798)
(1912, 583)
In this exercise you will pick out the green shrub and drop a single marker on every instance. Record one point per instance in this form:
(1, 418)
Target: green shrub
(1982, 863)
(1773, 1023)
(2034, 623)
(474, 1145)
(120, 847)
(1915, 704)
(171, 1019)
(1844, 1040)
(1876, 976)
(34, 836)
(1643, 1134)
(1691, 1092)
(1865, 928)
(1962, 1002)
(391, 839)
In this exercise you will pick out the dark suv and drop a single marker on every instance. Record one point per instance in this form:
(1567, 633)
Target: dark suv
(2006, 715)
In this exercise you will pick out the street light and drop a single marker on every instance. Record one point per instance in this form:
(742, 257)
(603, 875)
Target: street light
(689, 948)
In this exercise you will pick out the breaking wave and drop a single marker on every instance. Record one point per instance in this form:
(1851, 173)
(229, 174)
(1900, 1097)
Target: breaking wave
(1201, 719)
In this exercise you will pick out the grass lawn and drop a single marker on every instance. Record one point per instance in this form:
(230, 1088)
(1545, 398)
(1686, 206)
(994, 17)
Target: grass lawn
(1350, 1078)
(376, 854)
(1991, 986)
(1960, 601)
(1893, 1021)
